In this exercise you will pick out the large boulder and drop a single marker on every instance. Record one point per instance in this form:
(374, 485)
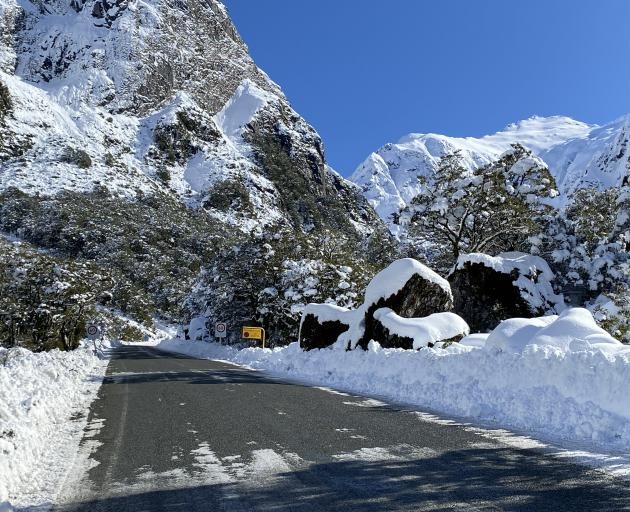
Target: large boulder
(409, 289)
(488, 289)
(322, 324)
(394, 331)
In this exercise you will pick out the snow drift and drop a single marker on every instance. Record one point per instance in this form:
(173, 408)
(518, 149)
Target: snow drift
(39, 392)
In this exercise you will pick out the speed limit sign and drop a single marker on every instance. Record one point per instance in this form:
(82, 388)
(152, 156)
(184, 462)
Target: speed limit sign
(92, 331)
(220, 330)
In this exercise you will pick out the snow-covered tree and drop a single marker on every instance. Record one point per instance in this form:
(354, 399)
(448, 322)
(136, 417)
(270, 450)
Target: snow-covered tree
(267, 280)
(491, 209)
(587, 244)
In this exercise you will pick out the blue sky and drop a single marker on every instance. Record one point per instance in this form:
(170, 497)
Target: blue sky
(366, 72)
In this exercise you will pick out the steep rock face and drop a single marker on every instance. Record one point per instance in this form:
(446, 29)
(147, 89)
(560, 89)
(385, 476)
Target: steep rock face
(161, 96)
(130, 55)
(578, 155)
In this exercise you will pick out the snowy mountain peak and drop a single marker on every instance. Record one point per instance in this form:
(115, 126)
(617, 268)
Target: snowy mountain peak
(578, 155)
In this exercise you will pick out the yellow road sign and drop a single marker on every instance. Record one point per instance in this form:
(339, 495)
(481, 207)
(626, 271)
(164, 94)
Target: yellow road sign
(254, 333)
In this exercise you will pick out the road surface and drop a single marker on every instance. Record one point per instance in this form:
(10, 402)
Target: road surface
(174, 434)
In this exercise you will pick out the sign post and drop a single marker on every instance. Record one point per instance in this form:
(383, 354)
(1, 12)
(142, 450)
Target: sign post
(93, 331)
(220, 330)
(254, 333)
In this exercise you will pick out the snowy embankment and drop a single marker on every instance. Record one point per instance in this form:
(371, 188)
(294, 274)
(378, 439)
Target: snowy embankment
(556, 378)
(39, 394)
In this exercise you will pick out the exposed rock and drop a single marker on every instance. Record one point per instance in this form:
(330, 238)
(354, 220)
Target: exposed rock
(322, 324)
(489, 289)
(409, 289)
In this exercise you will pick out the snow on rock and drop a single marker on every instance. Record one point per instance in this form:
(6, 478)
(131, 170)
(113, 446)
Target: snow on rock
(534, 276)
(488, 289)
(424, 332)
(407, 287)
(322, 324)
(392, 279)
(241, 109)
(39, 392)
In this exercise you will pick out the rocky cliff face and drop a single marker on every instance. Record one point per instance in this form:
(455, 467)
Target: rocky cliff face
(128, 55)
(141, 96)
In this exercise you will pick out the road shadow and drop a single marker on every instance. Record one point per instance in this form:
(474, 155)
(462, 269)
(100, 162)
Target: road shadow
(141, 352)
(501, 479)
(191, 377)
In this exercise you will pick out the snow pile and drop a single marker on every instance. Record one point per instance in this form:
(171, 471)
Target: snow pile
(534, 276)
(39, 392)
(424, 331)
(554, 386)
(574, 330)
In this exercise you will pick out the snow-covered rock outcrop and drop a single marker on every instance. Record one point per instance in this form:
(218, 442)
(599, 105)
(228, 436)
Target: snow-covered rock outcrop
(404, 293)
(488, 289)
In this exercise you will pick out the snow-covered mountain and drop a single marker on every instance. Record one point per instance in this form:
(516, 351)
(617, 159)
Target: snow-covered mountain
(578, 155)
(148, 167)
(147, 96)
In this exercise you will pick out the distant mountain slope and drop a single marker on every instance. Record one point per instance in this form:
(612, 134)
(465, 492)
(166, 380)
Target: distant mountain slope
(578, 155)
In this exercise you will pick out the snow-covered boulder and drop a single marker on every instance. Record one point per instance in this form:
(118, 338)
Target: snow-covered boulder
(414, 333)
(488, 289)
(409, 289)
(574, 330)
(322, 324)
(406, 288)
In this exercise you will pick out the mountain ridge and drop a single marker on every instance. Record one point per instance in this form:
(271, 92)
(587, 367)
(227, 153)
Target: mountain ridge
(578, 154)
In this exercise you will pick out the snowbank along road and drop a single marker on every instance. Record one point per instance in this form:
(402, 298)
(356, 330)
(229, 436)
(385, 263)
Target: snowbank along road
(170, 433)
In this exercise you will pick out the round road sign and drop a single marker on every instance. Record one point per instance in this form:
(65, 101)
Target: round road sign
(93, 331)
(220, 330)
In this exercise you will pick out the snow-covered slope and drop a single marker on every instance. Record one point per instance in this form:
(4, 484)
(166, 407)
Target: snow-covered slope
(578, 155)
(146, 96)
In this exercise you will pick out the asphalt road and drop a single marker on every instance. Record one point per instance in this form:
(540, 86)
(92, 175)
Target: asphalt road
(169, 433)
